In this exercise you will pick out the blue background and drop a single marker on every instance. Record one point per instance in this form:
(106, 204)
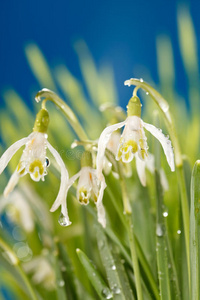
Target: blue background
(122, 33)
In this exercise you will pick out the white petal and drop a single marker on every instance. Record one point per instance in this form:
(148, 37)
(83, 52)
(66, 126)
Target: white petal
(11, 183)
(103, 141)
(59, 201)
(8, 154)
(165, 142)
(140, 166)
(101, 191)
(64, 178)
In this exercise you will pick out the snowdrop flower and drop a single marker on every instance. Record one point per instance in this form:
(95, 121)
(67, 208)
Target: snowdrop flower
(133, 142)
(112, 146)
(18, 210)
(89, 187)
(33, 159)
(42, 272)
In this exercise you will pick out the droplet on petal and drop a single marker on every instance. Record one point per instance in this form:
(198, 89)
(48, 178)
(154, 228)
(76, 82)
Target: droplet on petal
(63, 221)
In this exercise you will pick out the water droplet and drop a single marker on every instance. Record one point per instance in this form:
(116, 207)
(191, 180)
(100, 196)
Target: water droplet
(179, 231)
(164, 106)
(147, 93)
(106, 293)
(63, 221)
(61, 283)
(116, 289)
(159, 230)
(74, 144)
(141, 80)
(113, 267)
(47, 162)
(165, 214)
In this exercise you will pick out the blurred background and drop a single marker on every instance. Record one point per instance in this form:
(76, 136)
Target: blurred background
(121, 34)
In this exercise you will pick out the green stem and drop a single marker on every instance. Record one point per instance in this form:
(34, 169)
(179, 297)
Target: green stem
(16, 263)
(161, 230)
(162, 254)
(194, 231)
(164, 107)
(51, 96)
(127, 211)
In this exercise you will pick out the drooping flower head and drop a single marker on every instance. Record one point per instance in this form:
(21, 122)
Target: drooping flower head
(34, 160)
(133, 142)
(89, 187)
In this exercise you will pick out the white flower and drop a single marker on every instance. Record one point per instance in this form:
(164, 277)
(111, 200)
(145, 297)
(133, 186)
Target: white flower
(33, 159)
(113, 147)
(89, 187)
(42, 271)
(18, 210)
(133, 143)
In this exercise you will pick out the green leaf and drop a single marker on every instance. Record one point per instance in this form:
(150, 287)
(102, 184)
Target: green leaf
(95, 278)
(195, 232)
(117, 287)
(161, 230)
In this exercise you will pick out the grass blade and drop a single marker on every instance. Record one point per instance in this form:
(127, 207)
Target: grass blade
(96, 280)
(162, 253)
(194, 231)
(109, 263)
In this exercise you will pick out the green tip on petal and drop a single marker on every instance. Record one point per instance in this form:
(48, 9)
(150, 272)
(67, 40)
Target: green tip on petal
(134, 107)
(86, 159)
(41, 121)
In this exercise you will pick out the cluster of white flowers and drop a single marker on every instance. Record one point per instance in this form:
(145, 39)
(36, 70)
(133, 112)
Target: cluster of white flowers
(131, 143)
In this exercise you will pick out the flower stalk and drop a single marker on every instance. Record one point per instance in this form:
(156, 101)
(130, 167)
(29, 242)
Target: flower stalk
(46, 95)
(164, 108)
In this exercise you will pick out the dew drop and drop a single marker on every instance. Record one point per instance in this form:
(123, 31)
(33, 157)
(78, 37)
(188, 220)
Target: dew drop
(74, 144)
(61, 283)
(165, 214)
(106, 293)
(179, 231)
(141, 80)
(147, 93)
(116, 289)
(63, 221)
(159, 230)
(47, 162)
(113, 267)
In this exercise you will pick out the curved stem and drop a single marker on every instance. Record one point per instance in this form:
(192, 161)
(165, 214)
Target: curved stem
(164, 107)
(51, 96)
(15, 262)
